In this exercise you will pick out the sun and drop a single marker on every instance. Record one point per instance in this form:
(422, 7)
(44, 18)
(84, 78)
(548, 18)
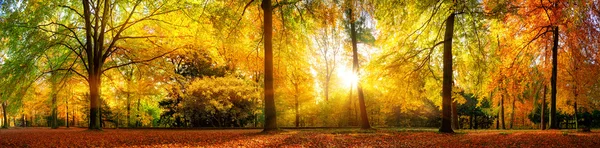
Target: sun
(347, 77)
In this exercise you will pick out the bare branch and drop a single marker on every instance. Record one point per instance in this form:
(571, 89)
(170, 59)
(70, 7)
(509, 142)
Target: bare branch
(72, 9)
(140, 61)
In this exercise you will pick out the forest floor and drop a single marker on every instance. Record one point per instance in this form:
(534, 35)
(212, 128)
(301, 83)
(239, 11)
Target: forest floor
(79, 137)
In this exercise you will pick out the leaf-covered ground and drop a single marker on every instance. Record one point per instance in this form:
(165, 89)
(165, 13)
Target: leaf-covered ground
(77, 137)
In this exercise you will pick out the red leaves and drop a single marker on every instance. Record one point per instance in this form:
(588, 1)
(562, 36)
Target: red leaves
(305, 138)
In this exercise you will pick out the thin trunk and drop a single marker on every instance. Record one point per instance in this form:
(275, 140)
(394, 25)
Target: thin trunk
(502, 112)
(270, 112)
(100, 116)
(364, 123)
(512, 114)
(471, 122)
(575, 114)
(497, 122)
(553, 120)
(543, 112)
(349, 116)
(54, 124)
(327, 79)
(475, 121)
(296, 105)
(447, 79)
(454, 116)
(575, 96)
(128, 110)
(5, 125)
(356, 114)
(73, 117)
(138, 123)
(67, 121)
(23, 120)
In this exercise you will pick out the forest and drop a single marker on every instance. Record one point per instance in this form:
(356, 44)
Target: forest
(448, 65)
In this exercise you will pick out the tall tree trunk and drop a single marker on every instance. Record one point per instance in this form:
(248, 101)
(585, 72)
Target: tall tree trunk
(128, 110)
(497, 122)
(296, 105)
(5, 120)
(475, 121)
(73, 117)
(502, 112)
(471, 122)
(23, 121)
(543, 112)
(138, 121)
(575, 109)
(553, 120)
(447, 80)
(512, 113)
(67, 121)
(327, 79)
(575, 94)
(54, 124)
(364, 119)
(270, 112)
(94, 68)
(454, 116)
(349, 115)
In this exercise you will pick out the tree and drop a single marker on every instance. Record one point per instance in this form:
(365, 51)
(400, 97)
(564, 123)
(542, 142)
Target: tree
(351, 7)
(526, 14)
(447, 79)
(102, 35)
(543, 119)
(270, 112)
(4, 119)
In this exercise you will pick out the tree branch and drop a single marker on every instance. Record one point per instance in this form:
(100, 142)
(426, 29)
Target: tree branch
(283, 3)
(72, 9)
(140, 61)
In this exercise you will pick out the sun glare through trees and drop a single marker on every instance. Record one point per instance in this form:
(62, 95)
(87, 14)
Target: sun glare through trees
(299, 73)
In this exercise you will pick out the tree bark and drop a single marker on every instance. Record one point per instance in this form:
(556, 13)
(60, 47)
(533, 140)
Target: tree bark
(327, 79)
(512, 113)
(54, 124)
(94, 64)
(5, 125)
(296, 105)
(23, 121)
(543, 112)
(73, 117)
(575, 95)
(447, 79)
(138, 121)
(471, 122)
(575, 114)
(67, 120)
(128, 110)
(270, 111)
(553, 120)
(502, 112)
(497, 122)
(364, 122)
(94, 102)
(475, 121)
